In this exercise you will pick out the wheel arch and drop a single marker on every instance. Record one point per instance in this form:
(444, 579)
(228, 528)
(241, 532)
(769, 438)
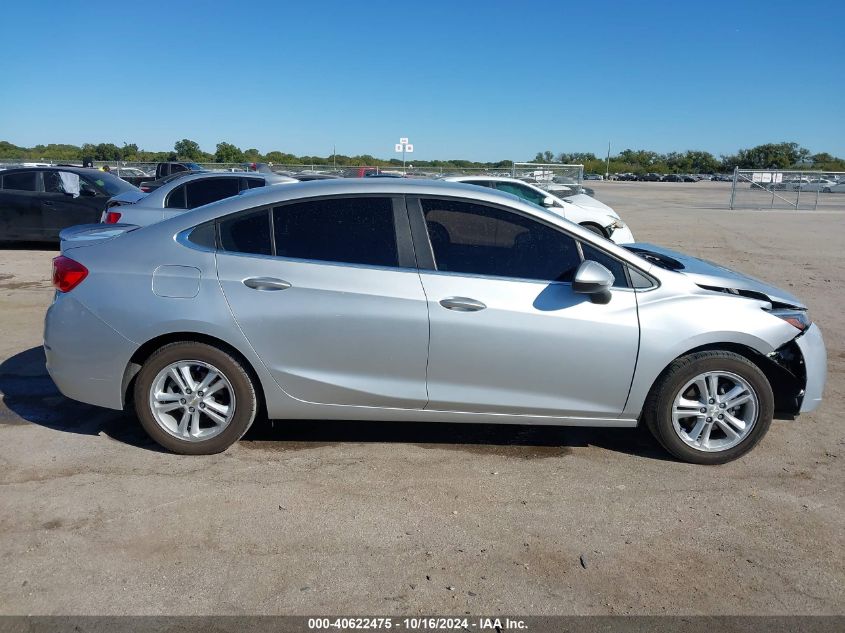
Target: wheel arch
(589, 224)
(147, 349)
(782, 368)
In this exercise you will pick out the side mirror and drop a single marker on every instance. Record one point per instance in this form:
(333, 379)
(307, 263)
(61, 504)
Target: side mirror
(548, 201)
(595, 280)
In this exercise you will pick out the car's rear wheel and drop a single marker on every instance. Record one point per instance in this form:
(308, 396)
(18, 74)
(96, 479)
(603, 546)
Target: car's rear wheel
(194, 398)
(710, 407)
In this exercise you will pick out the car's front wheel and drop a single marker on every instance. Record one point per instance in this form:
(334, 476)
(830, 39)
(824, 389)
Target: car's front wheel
(194, 398)
(710, 407)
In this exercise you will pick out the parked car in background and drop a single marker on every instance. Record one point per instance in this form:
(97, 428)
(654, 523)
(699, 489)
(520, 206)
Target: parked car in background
(838, 187)
(36, 203)
(593, 177)
(307, 176)
(183, 194)
(579, 208)
(650, 177)
(132, 175)
(673, 178)
(817, 184)
(419, 300)
(689, 178)
(148, 186)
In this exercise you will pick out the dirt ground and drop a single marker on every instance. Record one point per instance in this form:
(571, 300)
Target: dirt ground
(359, 518)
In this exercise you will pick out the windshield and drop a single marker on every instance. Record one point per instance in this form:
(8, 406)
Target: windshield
(112, 185)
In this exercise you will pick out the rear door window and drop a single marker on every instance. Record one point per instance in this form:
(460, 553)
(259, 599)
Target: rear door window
(246, 233)
(252, 183)
(349, 230)
(200, 192)
(21, 181)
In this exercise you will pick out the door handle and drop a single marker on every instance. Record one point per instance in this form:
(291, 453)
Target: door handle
(462, 304)
(47, 203)
(266, 283)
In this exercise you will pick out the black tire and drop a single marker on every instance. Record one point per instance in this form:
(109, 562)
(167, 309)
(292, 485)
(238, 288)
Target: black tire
(595, 228)
(245, 396)
(657, 412)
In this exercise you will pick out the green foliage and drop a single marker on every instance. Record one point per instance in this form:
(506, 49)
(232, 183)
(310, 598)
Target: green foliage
(768, 156)
(188, 149)
(228, 153)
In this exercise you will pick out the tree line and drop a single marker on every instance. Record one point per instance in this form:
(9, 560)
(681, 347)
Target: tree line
(768, 156)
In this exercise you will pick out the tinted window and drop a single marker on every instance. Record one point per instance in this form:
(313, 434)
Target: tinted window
(252, 183)
(477, 239)
(478, 183)
(247, 233)
(526, 193)
(52, 182)
(200, 192)
(350, 230)
(176, 198)
(613, 265)
(21, 181)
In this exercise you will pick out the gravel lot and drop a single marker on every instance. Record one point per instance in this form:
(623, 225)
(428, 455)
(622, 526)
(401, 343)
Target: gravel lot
(360, 518)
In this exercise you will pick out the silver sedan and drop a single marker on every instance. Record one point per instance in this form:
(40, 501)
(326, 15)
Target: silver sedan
(411, 300)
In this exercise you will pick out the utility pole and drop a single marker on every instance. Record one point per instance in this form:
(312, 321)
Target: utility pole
(607, 163)
(334, 156)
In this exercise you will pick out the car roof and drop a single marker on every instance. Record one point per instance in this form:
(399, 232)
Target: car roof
(73, 170)
(374, 186)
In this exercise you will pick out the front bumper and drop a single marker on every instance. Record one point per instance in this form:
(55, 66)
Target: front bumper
(85, 357)
(622, 236)
(812, 349)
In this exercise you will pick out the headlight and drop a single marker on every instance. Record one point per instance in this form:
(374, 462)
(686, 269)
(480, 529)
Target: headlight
(796, 318)
(618, 224)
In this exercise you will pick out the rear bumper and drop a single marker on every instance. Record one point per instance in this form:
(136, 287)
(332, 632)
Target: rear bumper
(812, 349)
(85, 357)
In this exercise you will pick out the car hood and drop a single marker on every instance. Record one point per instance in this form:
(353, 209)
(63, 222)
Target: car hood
(128, 197)
(713, 276)
(588, 202)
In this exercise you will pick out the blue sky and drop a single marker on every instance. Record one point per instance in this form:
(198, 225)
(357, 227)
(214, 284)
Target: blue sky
(480, 80)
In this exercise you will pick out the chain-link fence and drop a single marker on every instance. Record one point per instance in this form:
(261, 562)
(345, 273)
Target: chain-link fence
(542, 174)
(786, 189)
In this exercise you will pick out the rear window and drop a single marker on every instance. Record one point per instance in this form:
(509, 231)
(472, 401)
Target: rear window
(22, 181)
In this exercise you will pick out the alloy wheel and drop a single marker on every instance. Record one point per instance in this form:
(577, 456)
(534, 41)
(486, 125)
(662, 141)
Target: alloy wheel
(715, 411)
(192, 400)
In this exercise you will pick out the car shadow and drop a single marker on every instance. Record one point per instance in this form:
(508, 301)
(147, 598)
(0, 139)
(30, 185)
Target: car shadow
(30, 396)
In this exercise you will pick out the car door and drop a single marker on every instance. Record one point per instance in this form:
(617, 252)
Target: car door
(508, 333)
(333, 303)
(68, 200)
(20, 213)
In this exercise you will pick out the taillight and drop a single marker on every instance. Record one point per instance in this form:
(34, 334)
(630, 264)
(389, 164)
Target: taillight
(67, 273)
(145, 189)
(112, 217)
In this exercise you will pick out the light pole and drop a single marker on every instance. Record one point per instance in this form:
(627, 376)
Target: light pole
(607, 163)
(404, 146)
